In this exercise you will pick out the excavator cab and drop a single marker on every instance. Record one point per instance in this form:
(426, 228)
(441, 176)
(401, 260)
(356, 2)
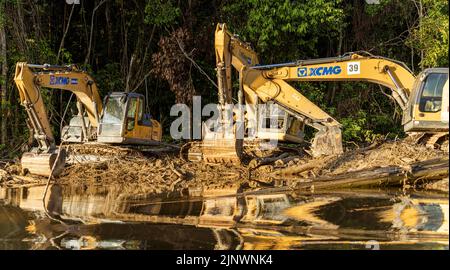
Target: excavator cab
(124, 122)
(427, 108)
(277, 124)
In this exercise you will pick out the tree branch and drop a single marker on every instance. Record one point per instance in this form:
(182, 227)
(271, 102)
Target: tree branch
(65, 33)
(86, 60)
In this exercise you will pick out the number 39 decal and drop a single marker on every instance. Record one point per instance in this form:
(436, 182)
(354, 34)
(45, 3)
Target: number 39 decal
(353, 68)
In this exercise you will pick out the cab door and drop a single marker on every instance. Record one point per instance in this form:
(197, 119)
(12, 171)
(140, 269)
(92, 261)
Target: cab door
(147, 128)
(131, 117)
(138, 127)
(142, 130)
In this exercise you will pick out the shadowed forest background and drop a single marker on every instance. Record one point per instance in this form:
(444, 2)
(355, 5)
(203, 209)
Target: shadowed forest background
(165, 50)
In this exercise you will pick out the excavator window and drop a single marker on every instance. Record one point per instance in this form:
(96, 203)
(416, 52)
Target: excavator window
(431, 97)
(131, 113)
(140, 110)
(114, 111)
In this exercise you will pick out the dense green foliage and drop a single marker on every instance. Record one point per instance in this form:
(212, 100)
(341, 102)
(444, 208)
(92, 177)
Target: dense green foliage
(271, 23)
(164, 50)
(431, 35)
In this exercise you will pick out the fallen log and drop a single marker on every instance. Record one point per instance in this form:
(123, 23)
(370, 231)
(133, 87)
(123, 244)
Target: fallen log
(429, 168)
(302, 168)
(285, 161)
(256, 162)
(7, 179)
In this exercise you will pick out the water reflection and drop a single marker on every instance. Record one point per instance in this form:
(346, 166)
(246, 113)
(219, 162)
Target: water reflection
(223, 218)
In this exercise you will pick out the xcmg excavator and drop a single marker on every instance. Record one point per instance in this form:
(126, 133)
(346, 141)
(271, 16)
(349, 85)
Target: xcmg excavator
(423, 99)
(119, 119)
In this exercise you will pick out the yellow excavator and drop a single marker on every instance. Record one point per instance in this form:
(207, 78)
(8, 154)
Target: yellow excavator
(119, 119)
(423, 99)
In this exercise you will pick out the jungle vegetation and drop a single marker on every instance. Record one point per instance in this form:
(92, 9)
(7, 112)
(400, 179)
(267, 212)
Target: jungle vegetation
(164, 50)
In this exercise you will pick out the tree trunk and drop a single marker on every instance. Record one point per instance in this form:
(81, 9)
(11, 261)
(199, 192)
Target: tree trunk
(420, 33)
(417, 173)
(109, 27)
(86, 60)
(3, 80)
(332, 90)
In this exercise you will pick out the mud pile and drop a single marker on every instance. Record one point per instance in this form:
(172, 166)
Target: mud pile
(381, 154)
(11, 175)
(152, 174)
(397, 153)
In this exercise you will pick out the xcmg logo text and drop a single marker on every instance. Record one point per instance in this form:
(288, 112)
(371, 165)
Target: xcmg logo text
(318, 71)
(54, 80)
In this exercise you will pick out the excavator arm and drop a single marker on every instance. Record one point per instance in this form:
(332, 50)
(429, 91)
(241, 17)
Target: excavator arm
(350, 67)
(230, 52)
(30, 78)
(271, 83)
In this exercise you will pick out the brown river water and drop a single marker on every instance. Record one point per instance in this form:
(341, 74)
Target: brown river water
(107, 218)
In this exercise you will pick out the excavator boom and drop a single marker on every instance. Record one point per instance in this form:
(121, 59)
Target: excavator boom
(350, 67)
(219, 147)
(29, 78)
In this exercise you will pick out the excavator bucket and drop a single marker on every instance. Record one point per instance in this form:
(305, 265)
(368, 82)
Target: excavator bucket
(43, 163)
(327, 142)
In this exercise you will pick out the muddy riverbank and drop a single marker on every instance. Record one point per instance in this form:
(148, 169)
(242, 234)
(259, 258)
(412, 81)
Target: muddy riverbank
(393, 163)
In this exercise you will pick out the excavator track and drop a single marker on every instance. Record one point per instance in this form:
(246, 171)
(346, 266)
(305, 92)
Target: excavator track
(195, 152)
(213, 151)
(102, 149)
(92, 152)
(437, 140)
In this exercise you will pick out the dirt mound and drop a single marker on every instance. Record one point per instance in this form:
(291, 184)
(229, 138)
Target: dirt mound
(382, 154)
(154, 174)
(396, 153)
